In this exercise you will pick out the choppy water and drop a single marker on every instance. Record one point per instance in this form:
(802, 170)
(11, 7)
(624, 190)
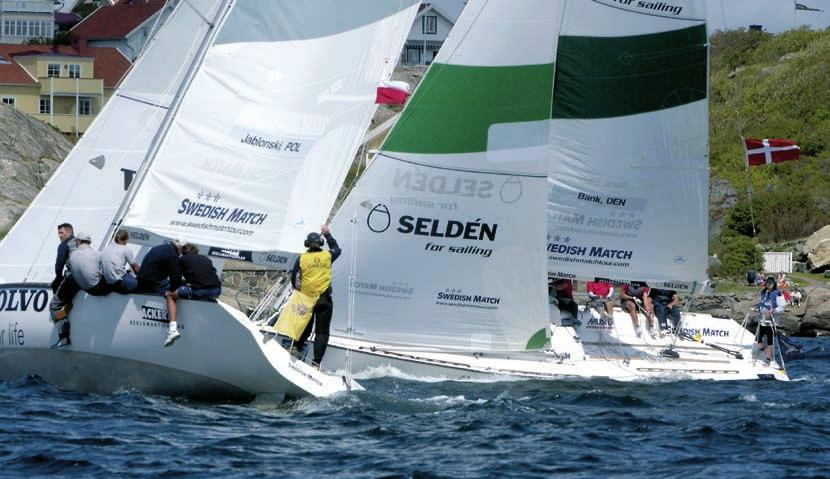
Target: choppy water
(406, 428)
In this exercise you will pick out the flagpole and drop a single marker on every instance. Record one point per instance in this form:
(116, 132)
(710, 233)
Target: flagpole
(748, 185)
(795, 15)
(740, 128)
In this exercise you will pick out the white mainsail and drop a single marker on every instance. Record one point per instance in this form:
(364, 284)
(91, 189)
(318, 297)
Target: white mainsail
(629, 142)
(450, 231)
(265, 134)
(88, 187)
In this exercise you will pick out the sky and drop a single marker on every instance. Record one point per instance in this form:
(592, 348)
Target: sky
(775, 15)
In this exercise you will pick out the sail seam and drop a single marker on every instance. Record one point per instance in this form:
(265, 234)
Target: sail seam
(464, 170)
(139, 100)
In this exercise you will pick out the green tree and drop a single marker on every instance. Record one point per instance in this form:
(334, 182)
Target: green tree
(737, 254)
(84, 8)
(740, 220)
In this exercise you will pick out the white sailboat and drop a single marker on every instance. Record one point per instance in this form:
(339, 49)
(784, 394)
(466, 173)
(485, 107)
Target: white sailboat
(561, 138)
(231, 131)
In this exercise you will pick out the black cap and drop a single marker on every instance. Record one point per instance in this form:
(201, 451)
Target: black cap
(313, 240)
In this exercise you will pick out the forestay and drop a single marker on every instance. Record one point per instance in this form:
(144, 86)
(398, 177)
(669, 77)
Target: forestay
(88, 187)
(629, 136)
(269, 126)
(450, 227)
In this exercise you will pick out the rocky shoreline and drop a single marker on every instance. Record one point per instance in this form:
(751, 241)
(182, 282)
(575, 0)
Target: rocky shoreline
(810, 319)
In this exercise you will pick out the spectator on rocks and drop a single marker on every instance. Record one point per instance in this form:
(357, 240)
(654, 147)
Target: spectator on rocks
(797, 297)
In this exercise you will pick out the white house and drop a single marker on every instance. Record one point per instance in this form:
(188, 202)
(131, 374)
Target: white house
(22, 20)
(428, 32)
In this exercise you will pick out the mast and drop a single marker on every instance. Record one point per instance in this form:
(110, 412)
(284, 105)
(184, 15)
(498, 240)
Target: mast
(158, 138)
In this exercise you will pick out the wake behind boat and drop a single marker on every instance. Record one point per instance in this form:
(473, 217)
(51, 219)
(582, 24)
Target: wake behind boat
(229, 132)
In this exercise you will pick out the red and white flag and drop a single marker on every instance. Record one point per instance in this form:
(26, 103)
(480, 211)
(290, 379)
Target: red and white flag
(765, 152)
(392, 93)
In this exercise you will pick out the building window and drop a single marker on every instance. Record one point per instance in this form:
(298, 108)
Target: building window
(7, 100)
(53, 70)
(84, 106)
(45, 105)
(430, 24)
(74, 70)
(7, 27)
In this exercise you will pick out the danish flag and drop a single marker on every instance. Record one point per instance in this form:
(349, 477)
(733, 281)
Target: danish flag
(764, 152)
(392, 93)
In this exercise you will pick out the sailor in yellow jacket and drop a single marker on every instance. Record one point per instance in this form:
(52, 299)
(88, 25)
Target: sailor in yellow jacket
(313, 270)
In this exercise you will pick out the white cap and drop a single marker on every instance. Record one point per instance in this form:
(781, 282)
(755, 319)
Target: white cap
(83, 237)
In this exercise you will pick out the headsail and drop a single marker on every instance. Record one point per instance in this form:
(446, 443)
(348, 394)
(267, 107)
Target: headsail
(88, 187)
(450, 224)
(269, 126)
(629, 138)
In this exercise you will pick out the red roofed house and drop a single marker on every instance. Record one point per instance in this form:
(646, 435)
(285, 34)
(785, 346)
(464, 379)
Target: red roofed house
(125, 25)
(63, 86)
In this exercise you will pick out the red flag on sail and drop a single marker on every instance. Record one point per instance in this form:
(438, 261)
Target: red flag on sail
(764, 152)
(392, 93)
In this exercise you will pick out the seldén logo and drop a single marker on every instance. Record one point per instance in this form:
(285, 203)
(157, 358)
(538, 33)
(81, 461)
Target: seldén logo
(457, 185)
(379, 220)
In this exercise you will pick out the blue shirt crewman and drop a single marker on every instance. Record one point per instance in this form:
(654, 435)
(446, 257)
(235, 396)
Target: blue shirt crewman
(66, 234)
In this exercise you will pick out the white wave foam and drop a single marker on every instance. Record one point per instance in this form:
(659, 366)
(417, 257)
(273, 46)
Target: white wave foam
(749, 398)
(387, 371)
(451, 400)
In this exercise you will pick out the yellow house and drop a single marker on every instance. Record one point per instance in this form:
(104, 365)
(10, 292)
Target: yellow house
(63, 86)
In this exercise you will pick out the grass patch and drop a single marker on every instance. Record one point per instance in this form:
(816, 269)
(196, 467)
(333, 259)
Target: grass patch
(806, 279)
(725, 286)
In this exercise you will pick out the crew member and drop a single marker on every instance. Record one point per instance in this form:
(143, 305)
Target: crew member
(85, 274)
(770, 306)
(599, 297)
(311, 274)
(200, 282)
(563, 290)
(632, 297)
(666, 304)
(65, 235)
(158, 267)
(117, 264)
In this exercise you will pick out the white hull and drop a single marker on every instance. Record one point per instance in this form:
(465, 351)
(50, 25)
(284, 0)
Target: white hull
(592, 350)
(117, 346)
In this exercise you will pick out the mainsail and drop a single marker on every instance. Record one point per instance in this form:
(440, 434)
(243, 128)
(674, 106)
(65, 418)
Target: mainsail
(265, 134)
(450, 226)
(629, 141)
(90, 184)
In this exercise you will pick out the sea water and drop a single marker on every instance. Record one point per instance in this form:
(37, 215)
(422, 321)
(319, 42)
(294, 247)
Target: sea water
(402, 427)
